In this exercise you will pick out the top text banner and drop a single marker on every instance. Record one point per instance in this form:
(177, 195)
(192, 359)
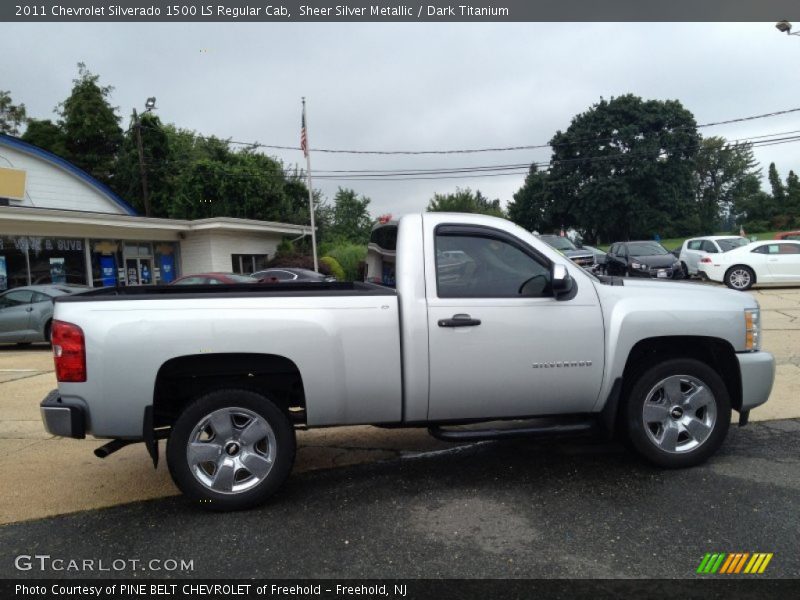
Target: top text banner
(408, 11)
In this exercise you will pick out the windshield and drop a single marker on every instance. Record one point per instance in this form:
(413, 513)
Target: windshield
(646, 249)
(558, 242)
(729, 244)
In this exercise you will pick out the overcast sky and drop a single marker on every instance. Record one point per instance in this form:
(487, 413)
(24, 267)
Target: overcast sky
(410, 86)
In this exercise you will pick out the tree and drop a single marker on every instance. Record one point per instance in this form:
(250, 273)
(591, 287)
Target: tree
(532, 204)
(350, 220)
(91, 127)
(46, 135)
(464, 200)
(725, 173)
(12, 116)
(625, 169)
(778, 191)
(791, 204)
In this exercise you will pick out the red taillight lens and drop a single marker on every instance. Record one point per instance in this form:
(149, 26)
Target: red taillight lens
(69, 352)
(706, 260)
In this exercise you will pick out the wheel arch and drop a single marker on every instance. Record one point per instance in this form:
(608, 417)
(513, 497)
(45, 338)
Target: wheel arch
(182, 379)
(715, 352)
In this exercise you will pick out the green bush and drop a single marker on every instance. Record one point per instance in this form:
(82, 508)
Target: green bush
(333, 266)
(349, 256)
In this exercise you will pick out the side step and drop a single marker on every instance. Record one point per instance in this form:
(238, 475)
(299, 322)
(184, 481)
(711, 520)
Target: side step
(493, 430)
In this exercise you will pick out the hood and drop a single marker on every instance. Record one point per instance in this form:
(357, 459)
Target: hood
(657, 260)
(685, 293)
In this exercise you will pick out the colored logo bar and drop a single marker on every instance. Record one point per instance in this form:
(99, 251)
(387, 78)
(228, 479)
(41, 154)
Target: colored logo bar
(734, 563)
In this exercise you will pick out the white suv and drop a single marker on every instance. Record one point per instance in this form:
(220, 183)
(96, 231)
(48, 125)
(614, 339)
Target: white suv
(694, 249)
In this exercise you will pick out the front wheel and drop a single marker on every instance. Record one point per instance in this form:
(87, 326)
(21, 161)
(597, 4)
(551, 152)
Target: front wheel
(231, 449)
(740, 278)
(677, 413)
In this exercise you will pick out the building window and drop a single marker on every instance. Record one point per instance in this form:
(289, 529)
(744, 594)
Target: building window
(248, 263)
(40, 260)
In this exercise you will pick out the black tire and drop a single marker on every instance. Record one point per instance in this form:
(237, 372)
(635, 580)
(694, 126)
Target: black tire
(278, 450)
(685, 269)
(48, 328)
(715, 415)
(740, 278)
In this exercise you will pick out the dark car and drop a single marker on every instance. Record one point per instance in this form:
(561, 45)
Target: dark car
(214, 279)
(643, 259)
(583, 258)
(287, 274)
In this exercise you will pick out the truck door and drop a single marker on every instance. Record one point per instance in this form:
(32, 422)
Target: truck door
(495, 351)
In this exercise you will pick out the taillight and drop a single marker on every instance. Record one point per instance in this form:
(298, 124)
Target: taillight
(706, 260)
(69, 352)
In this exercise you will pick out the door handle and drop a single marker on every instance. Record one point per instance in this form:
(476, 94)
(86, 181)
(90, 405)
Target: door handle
(29, 309)
(773, 260)
(460, 320)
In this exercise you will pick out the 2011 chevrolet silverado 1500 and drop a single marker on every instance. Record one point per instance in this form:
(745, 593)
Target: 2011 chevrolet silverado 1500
(477, 330)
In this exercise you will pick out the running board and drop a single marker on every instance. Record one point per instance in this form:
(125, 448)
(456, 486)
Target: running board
(541, 428)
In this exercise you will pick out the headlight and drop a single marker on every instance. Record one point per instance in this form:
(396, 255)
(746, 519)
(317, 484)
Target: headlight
(752, 329)
(637, 265)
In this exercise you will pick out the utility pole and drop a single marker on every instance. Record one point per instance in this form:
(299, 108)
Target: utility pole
(142, 171)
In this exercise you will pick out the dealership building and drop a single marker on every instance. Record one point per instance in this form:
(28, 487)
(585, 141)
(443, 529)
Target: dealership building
(60, 225)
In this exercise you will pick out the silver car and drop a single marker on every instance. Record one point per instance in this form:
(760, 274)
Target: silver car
(26, 313)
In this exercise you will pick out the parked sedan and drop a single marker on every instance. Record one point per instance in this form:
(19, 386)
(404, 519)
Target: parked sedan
(290, 274)
(214, 279)
(26, 313)
(694, 249)
(788, 235)
(642, 259)
(771, 262)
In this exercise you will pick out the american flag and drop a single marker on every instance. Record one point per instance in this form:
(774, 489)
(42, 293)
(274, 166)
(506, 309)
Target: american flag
(303, 137)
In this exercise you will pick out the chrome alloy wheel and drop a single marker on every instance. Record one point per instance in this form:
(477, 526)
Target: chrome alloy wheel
(679, 413)
(231, 450)
(739, 279)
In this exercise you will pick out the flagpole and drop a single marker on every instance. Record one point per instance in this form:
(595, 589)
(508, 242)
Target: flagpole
(307, 152)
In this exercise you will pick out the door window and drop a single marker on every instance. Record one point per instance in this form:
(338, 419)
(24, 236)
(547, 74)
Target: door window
(16, 298)
(709, 247)
(788, 248)
(485, 266)
(695, 245)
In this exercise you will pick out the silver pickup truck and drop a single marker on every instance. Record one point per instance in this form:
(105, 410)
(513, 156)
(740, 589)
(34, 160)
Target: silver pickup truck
(467, 325)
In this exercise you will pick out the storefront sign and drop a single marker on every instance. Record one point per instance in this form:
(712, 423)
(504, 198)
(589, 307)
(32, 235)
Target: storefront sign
(12, 183)
(38, 244)
(108, 271)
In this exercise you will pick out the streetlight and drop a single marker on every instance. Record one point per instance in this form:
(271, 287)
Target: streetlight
(149, 105)
(785, 27)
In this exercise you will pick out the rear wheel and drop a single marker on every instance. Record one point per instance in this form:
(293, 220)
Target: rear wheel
(48, 329)
(677, 413)
(685, 269)
(231, 449)
(740, 278)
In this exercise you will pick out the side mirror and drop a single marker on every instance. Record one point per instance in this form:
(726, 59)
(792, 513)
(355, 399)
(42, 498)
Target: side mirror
(561, 281)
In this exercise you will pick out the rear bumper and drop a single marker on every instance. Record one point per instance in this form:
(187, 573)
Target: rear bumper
(63, 418)
(758, 375)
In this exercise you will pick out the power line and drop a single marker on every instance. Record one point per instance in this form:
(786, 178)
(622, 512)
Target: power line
(255, 145)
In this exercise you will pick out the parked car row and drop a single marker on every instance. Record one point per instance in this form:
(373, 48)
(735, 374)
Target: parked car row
(730, 259)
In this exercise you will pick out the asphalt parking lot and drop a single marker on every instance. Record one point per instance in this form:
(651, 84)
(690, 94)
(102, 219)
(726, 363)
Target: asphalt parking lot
(399, 503)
